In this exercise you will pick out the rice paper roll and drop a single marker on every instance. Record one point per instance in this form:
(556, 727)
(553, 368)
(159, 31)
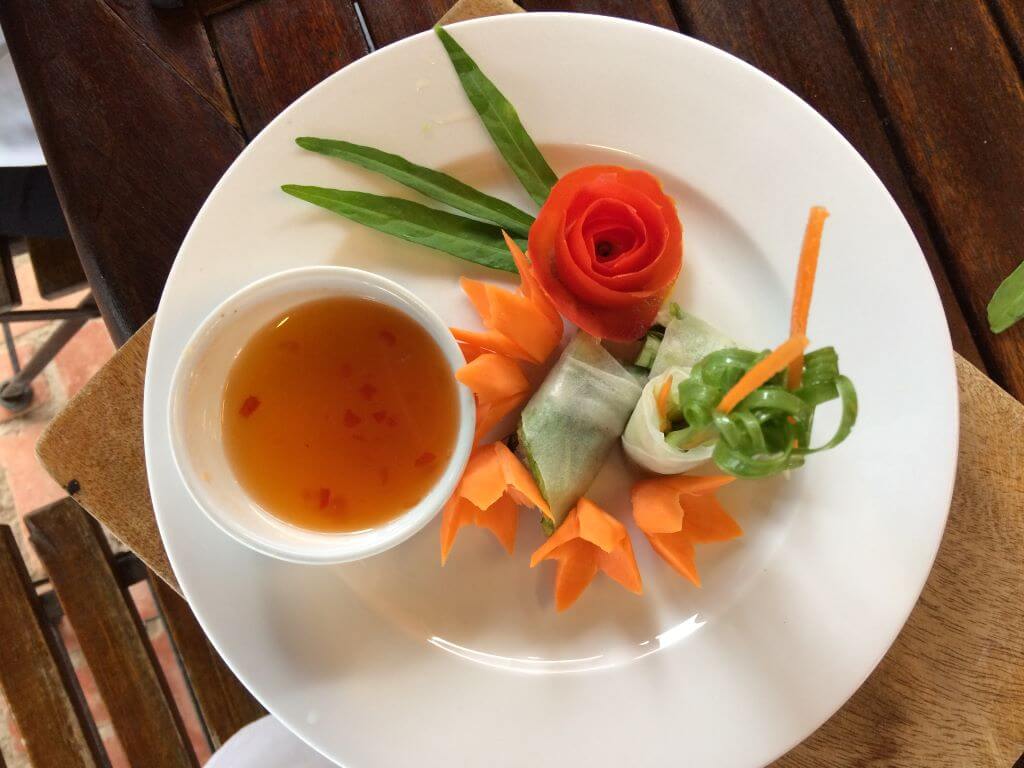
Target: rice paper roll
(643, 440)
(686, 342)
(573, 420)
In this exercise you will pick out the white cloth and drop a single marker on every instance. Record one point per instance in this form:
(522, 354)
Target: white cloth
(267, 744)
(18, 142)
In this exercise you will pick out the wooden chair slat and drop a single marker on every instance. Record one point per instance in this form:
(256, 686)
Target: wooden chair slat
(10, 296)
(56, 265)
(35, 676)
(224, 703)
(112, 637)
(131, 175)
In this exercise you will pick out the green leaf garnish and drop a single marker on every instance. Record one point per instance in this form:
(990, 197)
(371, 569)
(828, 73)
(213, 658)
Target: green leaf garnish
(770, 430)
(1007, 304)
(501, 121)
(434, 184)
(465, 238)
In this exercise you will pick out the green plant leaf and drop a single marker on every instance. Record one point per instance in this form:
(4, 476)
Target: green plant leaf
(1007, 305)
(434, 184)
(465, 238)
(501, 121)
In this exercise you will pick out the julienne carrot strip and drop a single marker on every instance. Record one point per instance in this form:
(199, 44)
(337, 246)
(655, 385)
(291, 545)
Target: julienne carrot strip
(777, 360)
(805, 272)
(662, 402)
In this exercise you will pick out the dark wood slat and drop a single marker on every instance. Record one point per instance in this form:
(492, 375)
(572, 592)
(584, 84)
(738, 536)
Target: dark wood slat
(801, 44)
(225, 704)
(956, 102)
(210, 7)
(56, 265)
(36, 681)
(133, 147)
(111, 635)
(10, 296)
(273, 51)
(389, 21)
(657, 12)
(1010, 14)
(178, 37)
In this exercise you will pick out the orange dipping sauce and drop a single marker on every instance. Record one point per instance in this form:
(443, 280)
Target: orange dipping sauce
(339, 415)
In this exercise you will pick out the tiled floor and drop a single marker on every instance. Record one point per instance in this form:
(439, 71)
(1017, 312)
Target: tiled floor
(25, 486)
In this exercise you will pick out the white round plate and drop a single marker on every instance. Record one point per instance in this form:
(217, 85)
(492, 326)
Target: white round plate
(395, 661)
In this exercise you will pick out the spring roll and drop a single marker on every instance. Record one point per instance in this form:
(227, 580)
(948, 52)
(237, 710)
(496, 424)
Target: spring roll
(573, 420)
(687, 340)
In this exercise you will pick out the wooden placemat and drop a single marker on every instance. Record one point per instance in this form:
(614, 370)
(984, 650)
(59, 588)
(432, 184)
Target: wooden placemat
(950, 692)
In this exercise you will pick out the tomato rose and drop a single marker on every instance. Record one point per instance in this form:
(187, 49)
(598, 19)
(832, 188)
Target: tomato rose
(607, 246)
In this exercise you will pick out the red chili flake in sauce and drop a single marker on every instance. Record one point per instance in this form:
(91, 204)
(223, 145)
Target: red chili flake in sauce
(387, 337)
(425, 458)
(379, 416)
(325, 497)
(392, 421)
(249, 406)
(368, 391)
(351, 419)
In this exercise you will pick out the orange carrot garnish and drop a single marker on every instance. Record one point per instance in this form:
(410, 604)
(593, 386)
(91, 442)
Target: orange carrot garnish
(805, 272)
(675, 513)
(499, 386)
(588, 541)
(493, 377)
(662, 402)
(530, 287)
(487, 496)
(523, 324)
(777, 360)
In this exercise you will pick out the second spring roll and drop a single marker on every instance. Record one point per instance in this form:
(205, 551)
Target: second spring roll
(573, 420)
(686, 341)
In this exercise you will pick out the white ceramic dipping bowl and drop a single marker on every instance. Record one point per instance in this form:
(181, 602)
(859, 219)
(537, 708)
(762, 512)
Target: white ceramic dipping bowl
(197, 390)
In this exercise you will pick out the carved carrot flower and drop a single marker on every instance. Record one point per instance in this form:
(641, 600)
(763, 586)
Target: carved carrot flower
(488, 495)
(677, 512)
(498, 384)
(521, 324)
(590, 540)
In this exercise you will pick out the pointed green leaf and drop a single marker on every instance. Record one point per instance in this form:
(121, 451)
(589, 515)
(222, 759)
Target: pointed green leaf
(434, 184)
(1007, 304)
(465, 238)
(502, 122)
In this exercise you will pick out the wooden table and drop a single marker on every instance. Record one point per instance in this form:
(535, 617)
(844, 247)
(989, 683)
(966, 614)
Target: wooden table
(141, 109)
